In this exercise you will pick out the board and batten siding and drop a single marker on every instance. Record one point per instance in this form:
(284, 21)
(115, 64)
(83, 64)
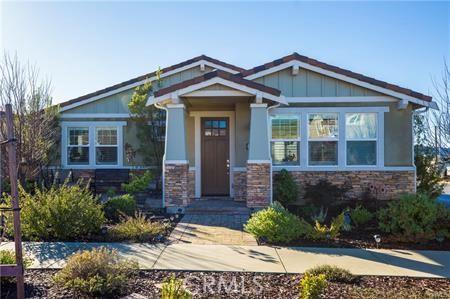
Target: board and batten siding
(311, 84)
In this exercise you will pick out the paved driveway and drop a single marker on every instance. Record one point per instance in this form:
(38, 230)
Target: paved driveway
(212, 229)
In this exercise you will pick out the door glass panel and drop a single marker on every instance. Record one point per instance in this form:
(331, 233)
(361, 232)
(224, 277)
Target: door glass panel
(208, 124)
(223, 132)
(215, 124)
(223, 124)
(208, 132)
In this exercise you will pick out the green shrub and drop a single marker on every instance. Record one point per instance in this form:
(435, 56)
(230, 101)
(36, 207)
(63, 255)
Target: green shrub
(333, 273)
(8, 257)
(59, 213)
(323, 232)
(414, 218)
(118, 206)
(312, 286)
(325, 194)
(285, 189)
(97, 272)
(360, 215)
(137, 229)
(276, 224)
(138, 183)
(173, 288)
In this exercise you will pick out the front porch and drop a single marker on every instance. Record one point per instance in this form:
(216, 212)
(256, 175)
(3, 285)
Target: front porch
(217, 141)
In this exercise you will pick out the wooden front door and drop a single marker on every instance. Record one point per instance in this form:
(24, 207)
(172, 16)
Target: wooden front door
(215, 157)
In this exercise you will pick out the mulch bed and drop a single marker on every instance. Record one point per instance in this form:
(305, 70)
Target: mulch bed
(39, 284)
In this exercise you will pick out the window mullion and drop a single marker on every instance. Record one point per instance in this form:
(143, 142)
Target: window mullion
(342, 144)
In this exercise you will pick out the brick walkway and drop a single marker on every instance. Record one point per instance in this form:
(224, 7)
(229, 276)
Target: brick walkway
(212, 229)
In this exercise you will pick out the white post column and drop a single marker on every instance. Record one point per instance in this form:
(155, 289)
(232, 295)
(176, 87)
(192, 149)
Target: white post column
(259, 164)
(176, 165)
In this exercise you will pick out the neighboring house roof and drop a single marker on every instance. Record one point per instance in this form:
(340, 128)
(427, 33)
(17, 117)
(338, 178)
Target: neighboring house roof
(297, 57)
(165, 70)
(218, 77)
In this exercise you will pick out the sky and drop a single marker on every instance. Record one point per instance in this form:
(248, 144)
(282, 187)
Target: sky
(86, 46)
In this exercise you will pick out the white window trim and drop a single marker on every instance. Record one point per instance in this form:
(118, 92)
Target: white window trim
(298, 139)
(303, 112)
(92, 125)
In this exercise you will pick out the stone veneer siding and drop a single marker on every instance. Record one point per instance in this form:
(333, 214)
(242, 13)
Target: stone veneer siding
(381, 184)
(176, 191)
(240, 185)
(258, 184)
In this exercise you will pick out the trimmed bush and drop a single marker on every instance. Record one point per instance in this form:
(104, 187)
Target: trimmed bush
(276, 224)
(285, 189)
(333, 273)
(415, 218)
(118, 206)
(137, 229)
(98, 272)
(172, 288)
(360, 216)
(59, 213)
(138, 183)
(312, 286)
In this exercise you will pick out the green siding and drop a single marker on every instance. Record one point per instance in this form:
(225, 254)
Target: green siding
(311, 84)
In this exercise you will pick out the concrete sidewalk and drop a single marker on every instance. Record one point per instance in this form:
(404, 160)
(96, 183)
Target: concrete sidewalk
(253, 258)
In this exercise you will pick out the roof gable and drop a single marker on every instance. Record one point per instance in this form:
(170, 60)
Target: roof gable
(301, 61)
(205, 63)
(214, 78)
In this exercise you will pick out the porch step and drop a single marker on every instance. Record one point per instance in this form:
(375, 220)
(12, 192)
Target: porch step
(217, 207)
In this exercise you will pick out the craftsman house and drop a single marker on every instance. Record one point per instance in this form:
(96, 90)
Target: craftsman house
(228, 130)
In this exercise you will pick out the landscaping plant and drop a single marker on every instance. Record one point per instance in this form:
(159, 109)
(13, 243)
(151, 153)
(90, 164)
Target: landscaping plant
(276, 224)
(360, 216)
(137, 229)
(312, 286)
(97, 273)
(285, 189)
(173, 288)
(8, 257)
(59, 213)
(333, 273)
(324, 232)
(429, 179)
(138, 183)
(119, 206)
(415, 218)
(324, 194)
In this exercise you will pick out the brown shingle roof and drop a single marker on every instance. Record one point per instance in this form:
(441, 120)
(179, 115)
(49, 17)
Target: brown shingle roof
(221, 74)
(360, 77)
(143, 77)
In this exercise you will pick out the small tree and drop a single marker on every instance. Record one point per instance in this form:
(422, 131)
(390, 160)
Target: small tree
(35, 119)
(428, 172)
(285, 188)
(150, 125)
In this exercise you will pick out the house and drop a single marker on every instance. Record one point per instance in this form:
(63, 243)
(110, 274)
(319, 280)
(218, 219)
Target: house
(229, 129)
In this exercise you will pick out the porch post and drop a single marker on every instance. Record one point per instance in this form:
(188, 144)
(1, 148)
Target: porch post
(176, 165)
(259, 165)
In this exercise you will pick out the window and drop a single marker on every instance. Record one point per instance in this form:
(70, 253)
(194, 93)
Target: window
(285, 142)
(93, 144)
(361, 138)
(106, 146)
(323, 137)
(78, 146)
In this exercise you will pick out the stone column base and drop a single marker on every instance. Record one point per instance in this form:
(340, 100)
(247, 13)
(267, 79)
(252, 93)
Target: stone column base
(258, 184)
(176, 185)
(240, 185)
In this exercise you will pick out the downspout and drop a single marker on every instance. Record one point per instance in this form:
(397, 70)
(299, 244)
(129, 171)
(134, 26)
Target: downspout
(415, 112)
(268, 138)
(164, 156)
